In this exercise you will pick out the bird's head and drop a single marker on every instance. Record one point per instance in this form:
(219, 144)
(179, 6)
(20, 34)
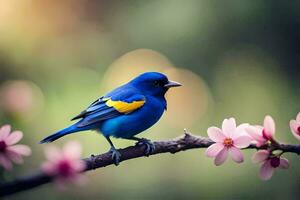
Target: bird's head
(153, 83)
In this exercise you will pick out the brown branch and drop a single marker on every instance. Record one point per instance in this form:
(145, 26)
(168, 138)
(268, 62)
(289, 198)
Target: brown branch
(183, 143)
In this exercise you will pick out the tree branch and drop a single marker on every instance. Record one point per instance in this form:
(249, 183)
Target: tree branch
(186, 142)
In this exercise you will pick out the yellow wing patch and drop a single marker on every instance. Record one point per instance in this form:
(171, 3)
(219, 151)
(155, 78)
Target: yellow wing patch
(124, 107)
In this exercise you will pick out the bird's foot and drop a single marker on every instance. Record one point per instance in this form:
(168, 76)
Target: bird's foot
(115, 155)
(150, 147)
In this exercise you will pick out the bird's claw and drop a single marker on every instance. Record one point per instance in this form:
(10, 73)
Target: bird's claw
(115, 155)
(149, 146)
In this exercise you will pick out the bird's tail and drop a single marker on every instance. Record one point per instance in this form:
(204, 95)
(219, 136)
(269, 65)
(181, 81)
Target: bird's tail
(71, 129)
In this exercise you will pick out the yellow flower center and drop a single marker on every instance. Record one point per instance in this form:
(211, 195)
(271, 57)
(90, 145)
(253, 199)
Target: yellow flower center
(228, 142)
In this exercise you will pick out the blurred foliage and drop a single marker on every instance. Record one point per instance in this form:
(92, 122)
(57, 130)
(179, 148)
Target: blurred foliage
(235, 58)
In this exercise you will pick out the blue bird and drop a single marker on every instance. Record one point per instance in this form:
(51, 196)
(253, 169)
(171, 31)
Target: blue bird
(125, 111)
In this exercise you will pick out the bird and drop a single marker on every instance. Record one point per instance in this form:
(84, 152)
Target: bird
(124, 112)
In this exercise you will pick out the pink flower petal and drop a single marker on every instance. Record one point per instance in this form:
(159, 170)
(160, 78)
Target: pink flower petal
(298, 117)
(242, 141)
(240, 130)
(79, 165)
(259, 144)
(49, 168)
(284, 163)
(72, 150)
(52, 153)
(20, 149)
(14, 137)
(236, 154)
(64, 165)
(269, 126)
(221, 157)
(260, 156)
(214, 149)
(255, 133)
(294, 125)
(4, 132)
(294, 128)
(266, 170)
(5, 162)
(15, 157)
(229, 126)
(215, 134)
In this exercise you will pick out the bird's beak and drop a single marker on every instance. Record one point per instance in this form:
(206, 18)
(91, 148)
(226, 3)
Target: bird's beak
(172, 84)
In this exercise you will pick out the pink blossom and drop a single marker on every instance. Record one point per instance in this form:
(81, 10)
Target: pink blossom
(295, 126)
(269, 163)
(228, 140)
(65, 165)
(263, 134)
(9, 150)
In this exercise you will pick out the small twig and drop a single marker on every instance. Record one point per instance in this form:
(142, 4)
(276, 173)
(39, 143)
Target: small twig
(185, 142)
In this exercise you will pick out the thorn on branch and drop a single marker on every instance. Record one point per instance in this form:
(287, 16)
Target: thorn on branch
(186, 133)
(93, 158)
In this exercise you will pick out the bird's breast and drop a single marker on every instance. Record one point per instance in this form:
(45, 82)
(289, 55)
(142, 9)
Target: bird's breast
(128, 125)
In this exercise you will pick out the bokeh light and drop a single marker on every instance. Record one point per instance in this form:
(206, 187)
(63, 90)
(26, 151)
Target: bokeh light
(195, 100)
(132, 64)
(20, 98)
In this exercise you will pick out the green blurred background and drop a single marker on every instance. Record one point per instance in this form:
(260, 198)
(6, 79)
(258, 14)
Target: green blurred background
(235, 58)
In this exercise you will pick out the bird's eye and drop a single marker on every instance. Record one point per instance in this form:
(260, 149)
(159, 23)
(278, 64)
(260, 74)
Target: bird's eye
(157, 83)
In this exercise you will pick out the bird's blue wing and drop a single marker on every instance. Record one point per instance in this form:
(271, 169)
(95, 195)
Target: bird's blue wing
(119, 102)
(95, 106)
